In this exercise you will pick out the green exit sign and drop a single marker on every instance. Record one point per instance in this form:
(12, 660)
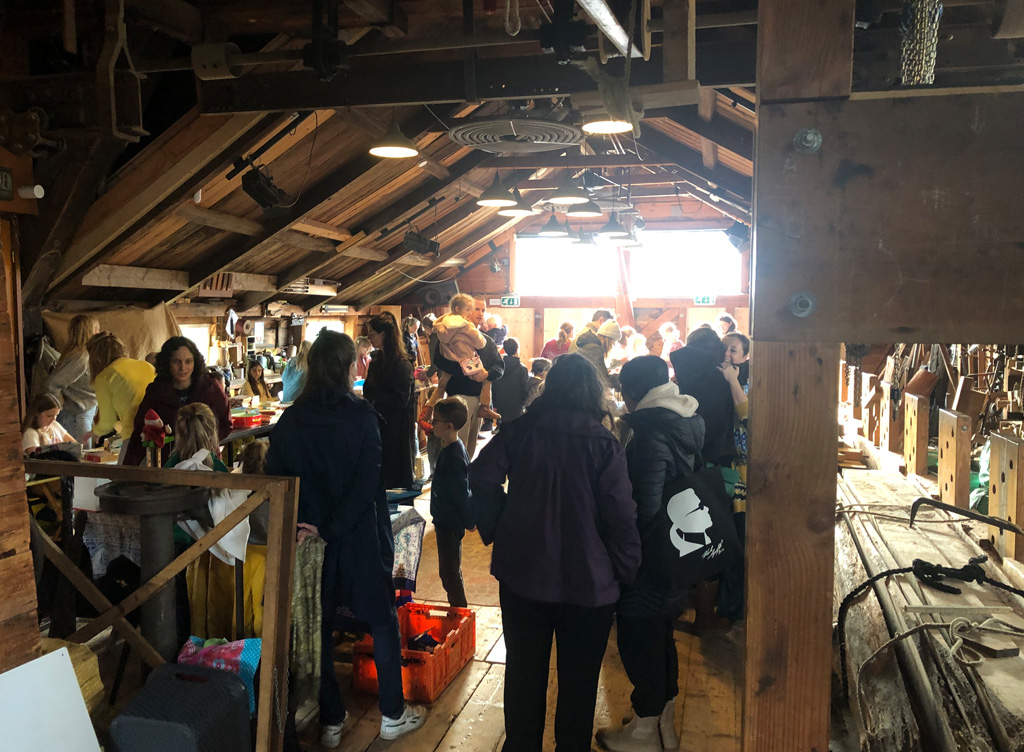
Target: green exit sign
(509, 301)
(704, 300)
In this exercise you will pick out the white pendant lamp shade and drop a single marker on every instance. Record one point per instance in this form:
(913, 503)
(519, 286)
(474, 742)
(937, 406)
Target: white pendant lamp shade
(553, 228)
(496, 195)
(394, 144)
(613, 228)
(568, 193)
(520, 209)
(588, 210)
(601, 123)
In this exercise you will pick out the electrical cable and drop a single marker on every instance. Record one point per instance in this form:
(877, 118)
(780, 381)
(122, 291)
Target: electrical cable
(309, 162)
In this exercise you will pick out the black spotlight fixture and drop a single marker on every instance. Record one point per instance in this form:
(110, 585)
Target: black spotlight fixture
(259, 186)
(738, 234)
(417, 242)
(494, 266)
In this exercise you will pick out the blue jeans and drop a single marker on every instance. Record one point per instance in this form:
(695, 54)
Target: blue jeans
(77, 424)
(387, 655)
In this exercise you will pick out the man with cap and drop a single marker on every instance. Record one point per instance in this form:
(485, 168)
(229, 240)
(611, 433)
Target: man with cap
(595, 344)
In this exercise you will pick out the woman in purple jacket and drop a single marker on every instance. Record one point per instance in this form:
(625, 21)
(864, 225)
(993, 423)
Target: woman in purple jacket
(565, 539)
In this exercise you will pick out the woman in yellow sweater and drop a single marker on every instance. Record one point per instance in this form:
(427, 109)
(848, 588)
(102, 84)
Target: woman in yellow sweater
(119, 382)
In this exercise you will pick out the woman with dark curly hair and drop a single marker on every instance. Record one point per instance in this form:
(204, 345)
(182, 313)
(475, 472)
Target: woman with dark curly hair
(181, 378)
(390, 388)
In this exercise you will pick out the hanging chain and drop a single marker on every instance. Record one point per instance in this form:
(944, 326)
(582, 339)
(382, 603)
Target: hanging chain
(919, 27)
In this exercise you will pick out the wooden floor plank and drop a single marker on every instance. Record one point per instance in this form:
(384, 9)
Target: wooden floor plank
(480, 727)
(440, 714)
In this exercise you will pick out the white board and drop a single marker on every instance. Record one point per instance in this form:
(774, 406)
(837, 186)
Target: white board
(33, 696)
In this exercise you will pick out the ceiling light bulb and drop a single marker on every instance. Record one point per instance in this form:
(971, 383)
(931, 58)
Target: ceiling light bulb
(569, 193)
(496, 195)
(552, 228)
(394, 144)
(613, 228)
(588, 210)
(602, 123)
(521, 209)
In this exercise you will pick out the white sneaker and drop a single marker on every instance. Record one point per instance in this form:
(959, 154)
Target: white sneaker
(330, 736)
(411, 719)
(639, 735)
(667, 726)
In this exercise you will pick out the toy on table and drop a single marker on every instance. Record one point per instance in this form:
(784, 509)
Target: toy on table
(154, 435)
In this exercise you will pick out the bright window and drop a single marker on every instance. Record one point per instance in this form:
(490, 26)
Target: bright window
(200, 334)
(668, 265)
(555, 266)
(315, 326)
(684, 265)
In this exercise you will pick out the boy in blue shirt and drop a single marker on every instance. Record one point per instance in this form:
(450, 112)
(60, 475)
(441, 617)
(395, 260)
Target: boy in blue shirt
(449, 497)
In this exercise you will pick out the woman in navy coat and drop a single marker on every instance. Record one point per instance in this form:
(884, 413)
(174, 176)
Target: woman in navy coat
(330, 439)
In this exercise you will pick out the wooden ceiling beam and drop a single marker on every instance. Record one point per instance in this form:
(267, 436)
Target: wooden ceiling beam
(690, 161)
(352, 281)
(175, 18)
(219, 220)
(306, 242)
(384, 14)
(322, 230)
(171, 168)
(727, 134)
(487, 233)
(312, 198)
(146, 278)
(554, 161)
(406, 205)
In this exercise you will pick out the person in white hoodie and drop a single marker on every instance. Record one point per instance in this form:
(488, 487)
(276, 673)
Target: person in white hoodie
(664, 438)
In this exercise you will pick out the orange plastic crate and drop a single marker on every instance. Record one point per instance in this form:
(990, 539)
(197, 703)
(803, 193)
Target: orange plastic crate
(424, 674)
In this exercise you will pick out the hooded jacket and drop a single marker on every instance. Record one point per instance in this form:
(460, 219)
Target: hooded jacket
(566, 530)
(164, 398)
(509, 392)
(589, 345)
(666, 436)
(331, 441)
(697, 375)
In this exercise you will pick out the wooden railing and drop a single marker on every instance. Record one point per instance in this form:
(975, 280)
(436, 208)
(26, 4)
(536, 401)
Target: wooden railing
(283, 496)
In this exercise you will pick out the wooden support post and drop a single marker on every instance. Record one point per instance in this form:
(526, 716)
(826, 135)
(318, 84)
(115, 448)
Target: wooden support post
(1006, 491)
(915, 433)
(954, 458)
(792, 482)
(277, 599)
(804, 52)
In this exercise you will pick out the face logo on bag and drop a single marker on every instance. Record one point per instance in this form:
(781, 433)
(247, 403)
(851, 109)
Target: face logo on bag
(690, 522)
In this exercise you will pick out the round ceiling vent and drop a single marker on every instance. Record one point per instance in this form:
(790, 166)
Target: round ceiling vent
(515, 135)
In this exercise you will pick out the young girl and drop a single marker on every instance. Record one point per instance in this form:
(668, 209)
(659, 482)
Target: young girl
(459, 341)
(254, 385)
(70, 381)
(41, 428)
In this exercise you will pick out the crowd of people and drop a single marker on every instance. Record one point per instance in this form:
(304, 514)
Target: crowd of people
(588, 438)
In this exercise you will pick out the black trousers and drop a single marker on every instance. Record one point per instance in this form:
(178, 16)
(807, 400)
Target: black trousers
(647, 647)
(449, 564)
(581, 636)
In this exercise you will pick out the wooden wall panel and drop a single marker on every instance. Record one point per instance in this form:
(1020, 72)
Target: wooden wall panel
(891, 270)
(1006, 490)
(19, 633)
(915, 433)
(954, 458)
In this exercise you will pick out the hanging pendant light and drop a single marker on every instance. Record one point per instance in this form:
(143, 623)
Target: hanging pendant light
(521, 209)
(496, 195)
(603, 123)
(569, 193)
(568, 230)
(588, 210)
(553, 228)
(584, 238)
(613, 228)
(394, 144)
(631, 241)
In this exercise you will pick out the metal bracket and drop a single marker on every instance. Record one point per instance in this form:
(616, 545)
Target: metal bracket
(924, 501)
(109, 99)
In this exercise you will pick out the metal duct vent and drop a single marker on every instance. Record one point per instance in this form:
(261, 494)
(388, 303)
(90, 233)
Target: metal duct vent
(515, 135)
